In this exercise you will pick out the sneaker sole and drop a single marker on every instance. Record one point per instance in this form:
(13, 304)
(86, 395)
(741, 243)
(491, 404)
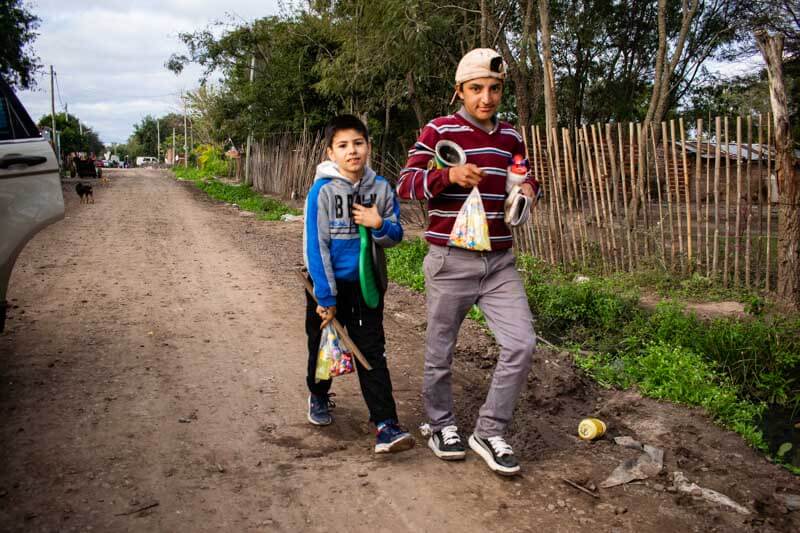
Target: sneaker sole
(400, 445)
(486, 455)
(446, 456)
(312, 421)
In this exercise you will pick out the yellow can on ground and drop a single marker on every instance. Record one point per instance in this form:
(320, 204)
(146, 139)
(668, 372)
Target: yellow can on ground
(591, 428)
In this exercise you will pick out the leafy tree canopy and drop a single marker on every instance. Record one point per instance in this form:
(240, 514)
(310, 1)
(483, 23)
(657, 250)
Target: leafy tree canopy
(72, 140)
(18, 63)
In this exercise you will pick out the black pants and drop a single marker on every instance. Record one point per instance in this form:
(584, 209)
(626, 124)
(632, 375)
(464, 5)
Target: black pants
(365, 327)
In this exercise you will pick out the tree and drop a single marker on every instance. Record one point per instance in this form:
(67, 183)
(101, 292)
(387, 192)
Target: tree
(75, 135)
(551, 115)
(515, 32)
(665, 66)
(788, 288)
(18, 63)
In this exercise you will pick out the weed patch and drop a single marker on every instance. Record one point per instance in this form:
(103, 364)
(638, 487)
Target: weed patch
(732, 367)
(242, 195)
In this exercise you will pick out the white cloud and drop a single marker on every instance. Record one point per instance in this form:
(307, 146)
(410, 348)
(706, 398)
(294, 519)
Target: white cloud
(109, 56)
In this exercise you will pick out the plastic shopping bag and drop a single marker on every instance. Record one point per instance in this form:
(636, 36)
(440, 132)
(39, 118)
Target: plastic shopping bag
(471, 230)
(333, 359)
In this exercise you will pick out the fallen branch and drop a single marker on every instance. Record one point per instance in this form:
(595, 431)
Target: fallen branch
(582, 489)
(336, 324)
(140, 509)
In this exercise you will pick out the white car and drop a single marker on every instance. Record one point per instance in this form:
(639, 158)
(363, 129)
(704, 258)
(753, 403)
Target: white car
(30, 186)
(146, 161)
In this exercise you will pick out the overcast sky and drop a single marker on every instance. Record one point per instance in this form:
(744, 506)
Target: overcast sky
(109, 56)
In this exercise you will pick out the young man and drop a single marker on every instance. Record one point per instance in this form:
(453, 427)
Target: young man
(456, 278)
(347, 193)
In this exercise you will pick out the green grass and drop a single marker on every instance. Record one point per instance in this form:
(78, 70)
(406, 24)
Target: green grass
(732, 367)
(243, 196)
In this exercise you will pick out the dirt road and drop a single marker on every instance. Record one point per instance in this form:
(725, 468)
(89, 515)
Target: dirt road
(152, 380)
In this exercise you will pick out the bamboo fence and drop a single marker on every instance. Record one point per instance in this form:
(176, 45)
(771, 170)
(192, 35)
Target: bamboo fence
(688, 197)
(284, 164)
(684, 196)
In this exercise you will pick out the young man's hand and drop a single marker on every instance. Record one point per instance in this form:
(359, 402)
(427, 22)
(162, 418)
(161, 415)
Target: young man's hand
(527, 190)
(367, 216)
(467, 176)
(326, 314)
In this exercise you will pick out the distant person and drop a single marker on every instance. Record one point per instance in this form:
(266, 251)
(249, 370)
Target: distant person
(457, 278)
(347, 193)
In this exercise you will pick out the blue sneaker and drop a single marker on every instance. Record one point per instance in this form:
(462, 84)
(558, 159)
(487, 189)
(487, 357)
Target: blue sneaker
(392, 438)
(319, 410)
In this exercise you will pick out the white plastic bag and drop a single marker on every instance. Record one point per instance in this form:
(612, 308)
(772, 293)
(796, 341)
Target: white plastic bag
(333, 359)
(471, 229)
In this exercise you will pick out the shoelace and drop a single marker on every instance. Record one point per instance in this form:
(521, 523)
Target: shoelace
(450, 435)
(500, 446)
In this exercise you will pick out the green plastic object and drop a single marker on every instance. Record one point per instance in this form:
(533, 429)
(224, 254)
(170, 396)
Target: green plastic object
(366, 271)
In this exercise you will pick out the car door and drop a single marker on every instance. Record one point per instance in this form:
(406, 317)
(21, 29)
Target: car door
(30, 185)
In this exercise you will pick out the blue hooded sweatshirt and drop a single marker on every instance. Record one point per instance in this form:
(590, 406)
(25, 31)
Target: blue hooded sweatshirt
(330, 236)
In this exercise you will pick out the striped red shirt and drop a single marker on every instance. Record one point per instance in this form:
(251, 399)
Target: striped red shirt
(490, 150)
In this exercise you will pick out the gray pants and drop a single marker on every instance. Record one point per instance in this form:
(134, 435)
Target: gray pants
(455, 279)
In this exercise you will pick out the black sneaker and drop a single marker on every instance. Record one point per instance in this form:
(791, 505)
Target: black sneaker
(447, 444)
(497, 454)
(319, 410)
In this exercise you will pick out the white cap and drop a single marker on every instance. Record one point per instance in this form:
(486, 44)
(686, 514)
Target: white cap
(481, 63)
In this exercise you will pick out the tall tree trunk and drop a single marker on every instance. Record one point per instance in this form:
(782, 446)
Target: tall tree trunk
(660, 57)
(385, 136)
(551, 117)
(484, 29)
(524, 64)
(657, 108)
(665, 69)
(788, 288)
(412, 95)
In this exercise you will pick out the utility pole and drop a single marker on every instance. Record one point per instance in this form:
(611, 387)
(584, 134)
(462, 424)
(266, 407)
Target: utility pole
(250, 131)
(185, 137)
(56, 147)
(53, 104)
(172, 163)
(158, 141)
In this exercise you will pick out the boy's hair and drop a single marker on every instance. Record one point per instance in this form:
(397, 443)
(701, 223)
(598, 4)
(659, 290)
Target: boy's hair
(344, 122)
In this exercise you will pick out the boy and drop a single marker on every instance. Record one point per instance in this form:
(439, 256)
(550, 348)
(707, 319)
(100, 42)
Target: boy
(347, 193)
(456, 278)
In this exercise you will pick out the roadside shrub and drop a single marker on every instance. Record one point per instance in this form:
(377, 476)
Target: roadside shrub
(578, 310)
(678, 374)
(404, 263)
(211, 160)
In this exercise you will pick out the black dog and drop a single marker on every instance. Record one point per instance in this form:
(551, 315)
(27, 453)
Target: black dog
(85, 192)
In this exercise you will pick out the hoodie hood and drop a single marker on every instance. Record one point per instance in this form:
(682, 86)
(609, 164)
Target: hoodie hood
(329, 169)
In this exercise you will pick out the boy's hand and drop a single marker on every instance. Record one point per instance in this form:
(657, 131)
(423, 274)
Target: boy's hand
(467, 176)
(326, 314)
(367, 216)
